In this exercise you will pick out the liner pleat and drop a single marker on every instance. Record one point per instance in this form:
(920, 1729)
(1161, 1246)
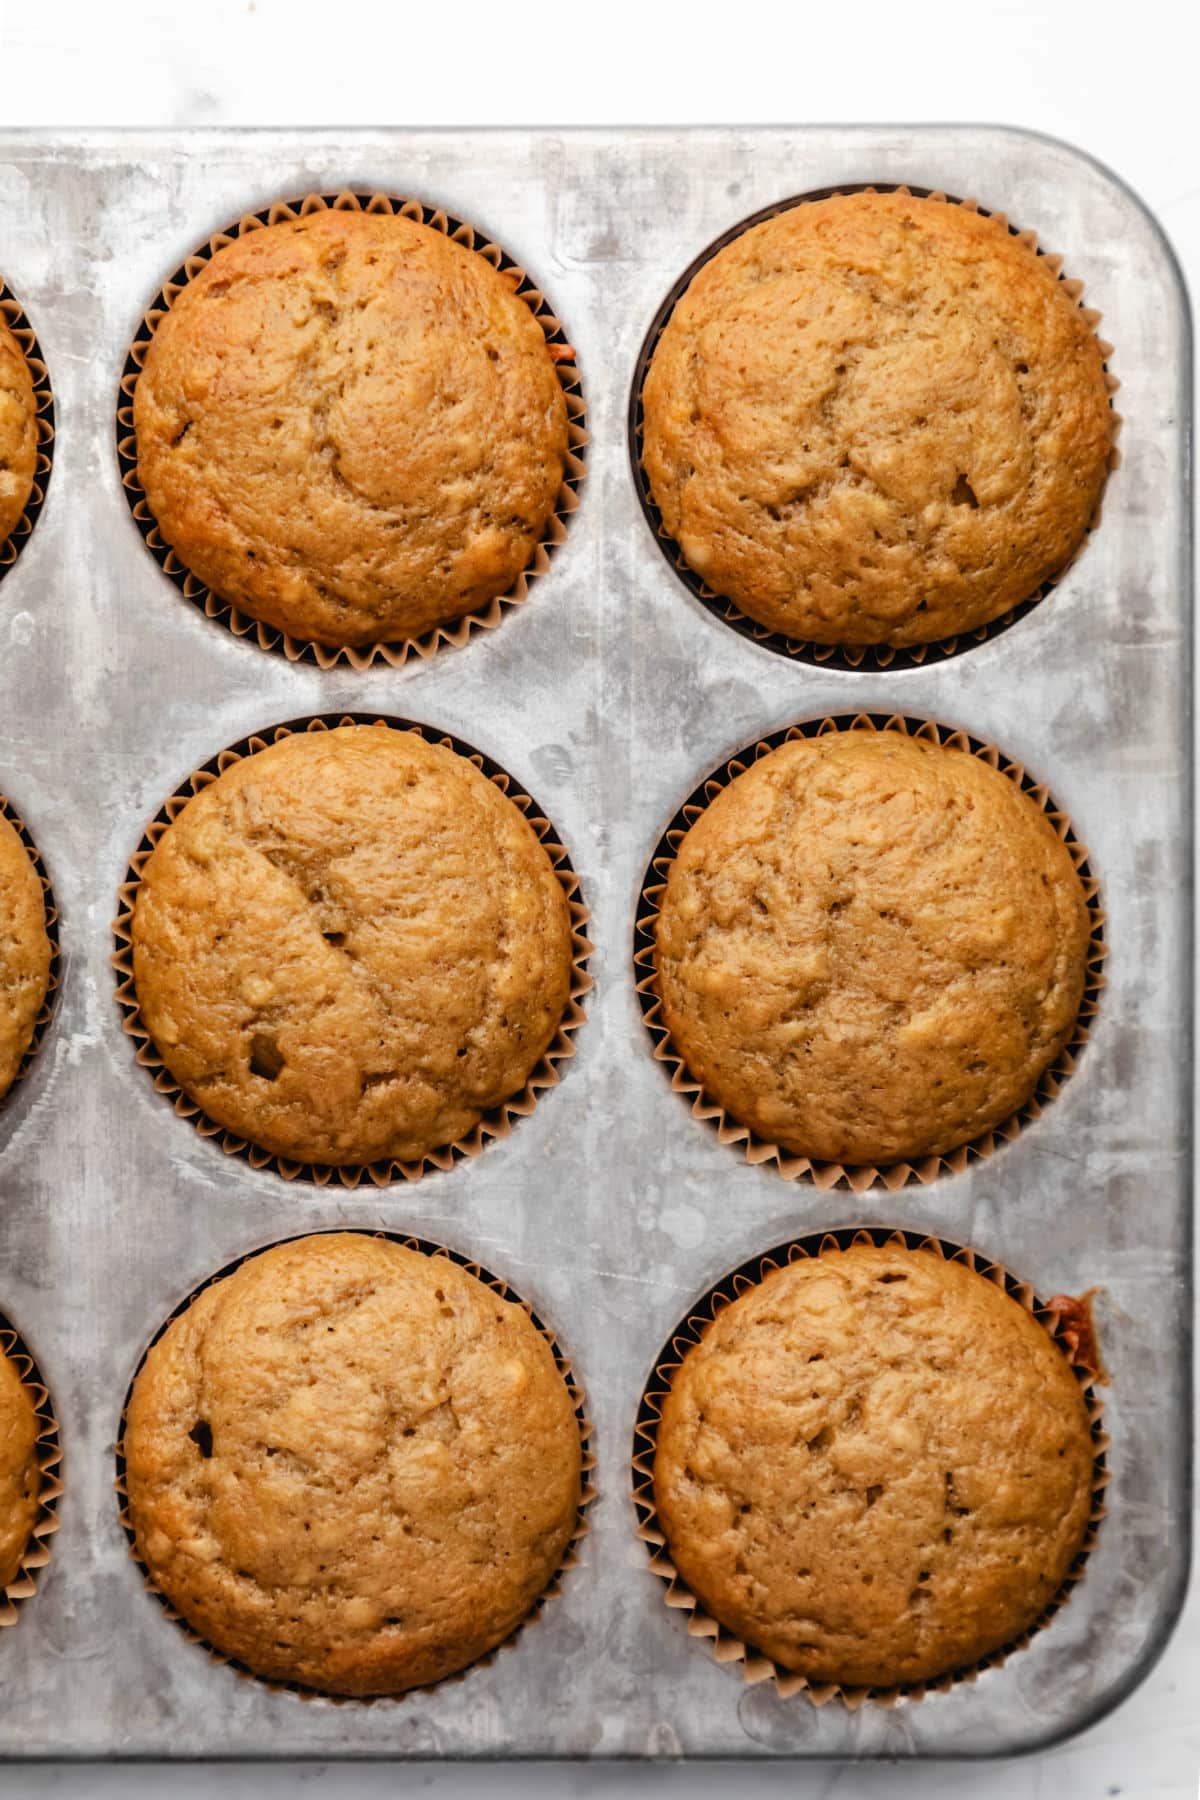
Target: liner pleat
(46, 1010)
(396, 653)
(43, 400)
(571, 1555)
(873, 657)
(723, 1645)
(493, 1125)
(48, 1452)
(858, 1178)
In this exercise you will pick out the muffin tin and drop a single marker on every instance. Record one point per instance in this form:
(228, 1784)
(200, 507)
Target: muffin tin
(611, 1210)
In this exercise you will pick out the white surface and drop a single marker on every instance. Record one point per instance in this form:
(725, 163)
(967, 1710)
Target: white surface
(1117, 80)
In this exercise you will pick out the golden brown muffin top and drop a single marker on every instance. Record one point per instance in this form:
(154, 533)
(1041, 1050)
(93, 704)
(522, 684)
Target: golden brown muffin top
(20, 1477)
(18, 431)
(876, 1467)
(24, 952)
(352, 1465)
(871, 947)
(351, 427)
(350, 946)
(876, 420)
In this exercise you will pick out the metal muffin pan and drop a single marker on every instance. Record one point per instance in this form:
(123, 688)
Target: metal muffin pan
(609, 695)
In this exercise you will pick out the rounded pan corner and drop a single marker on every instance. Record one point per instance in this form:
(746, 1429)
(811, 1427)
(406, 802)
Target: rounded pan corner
(1103, 1705)
(1096, 165)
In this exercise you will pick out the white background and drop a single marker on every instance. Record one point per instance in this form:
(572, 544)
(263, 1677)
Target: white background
(1118, 80)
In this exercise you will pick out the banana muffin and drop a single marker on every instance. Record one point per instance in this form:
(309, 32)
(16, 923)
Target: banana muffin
(875, 1467)
(877, 420)
(18, 431)
(20, 1478)
(364, 1515)
(871, 947)
(350, 946)
(350, 427)
(25, 953)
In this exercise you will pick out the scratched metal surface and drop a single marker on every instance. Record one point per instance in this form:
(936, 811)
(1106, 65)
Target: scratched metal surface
(608, 695)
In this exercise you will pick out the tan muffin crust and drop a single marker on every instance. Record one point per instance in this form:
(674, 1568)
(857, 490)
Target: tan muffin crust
(351, 1465)
(20, 1477)
(876, 420)
(871, 947)
(18, 431)
(350, 946)
(876, 1467)
(25, 952)
(351, 428)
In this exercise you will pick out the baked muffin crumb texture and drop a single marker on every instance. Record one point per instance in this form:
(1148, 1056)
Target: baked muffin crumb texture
(876, 1467)
(870, 947)
(877, 419)
(352, 1465)
(351, 946)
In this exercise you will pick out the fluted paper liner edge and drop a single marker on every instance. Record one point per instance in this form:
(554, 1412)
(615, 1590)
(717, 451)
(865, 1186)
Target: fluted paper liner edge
(48, 1451)
(455, 632)
(50, 917)
(495, 1124)
(43, 399)
(725, 1646)
(867, 657)
(858, 1177)
(570, 1557)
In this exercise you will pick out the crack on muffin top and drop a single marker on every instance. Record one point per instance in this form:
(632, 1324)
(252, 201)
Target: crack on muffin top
(351, 946)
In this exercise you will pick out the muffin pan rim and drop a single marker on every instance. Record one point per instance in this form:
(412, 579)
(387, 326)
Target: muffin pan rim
(609, 1208)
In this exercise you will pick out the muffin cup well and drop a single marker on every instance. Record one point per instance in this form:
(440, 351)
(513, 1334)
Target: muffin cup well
(869, 657)
(726, 1647)
(857, 1177)
(270, 637)
(495, 1124)
(43, 399)
(46, 1010)
(570, 1558)
(49, 1456)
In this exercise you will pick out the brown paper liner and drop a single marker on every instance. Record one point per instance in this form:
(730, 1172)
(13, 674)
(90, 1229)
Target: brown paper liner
(43, 400)
(857, 1178)
(46, 1011)
(723, 1645)
(49, 1456)
(457, 631)
(492, 1125)
(843, 656)
(570, 1558)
